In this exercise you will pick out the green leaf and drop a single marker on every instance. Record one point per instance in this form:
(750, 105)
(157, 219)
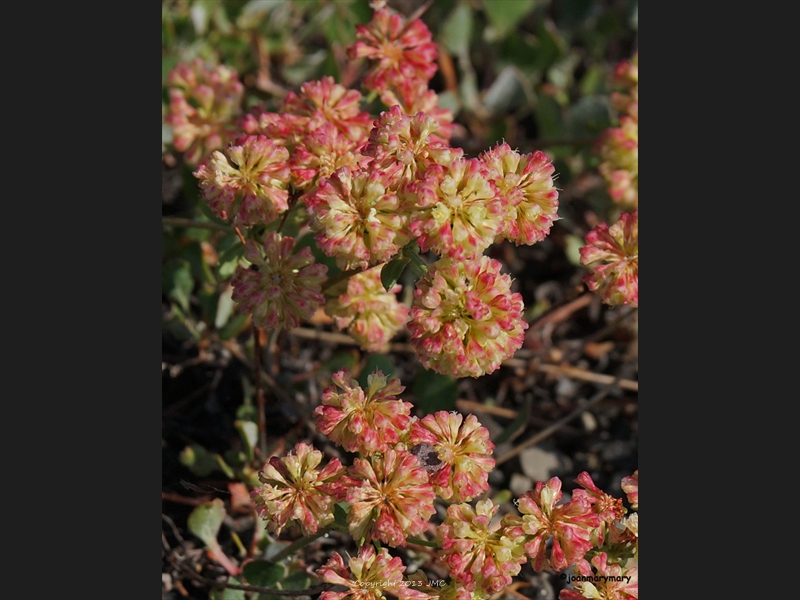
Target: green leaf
(340, 512)
(263, 573)
(229, 260)
(205, 521)
(198, 460)
(457, 29)
(225, 306)
(177, 282)
(228, 593)
(434, 391)
(549, 118)
(505, 14)
(248, 431)
(392, 271)
(297, 580)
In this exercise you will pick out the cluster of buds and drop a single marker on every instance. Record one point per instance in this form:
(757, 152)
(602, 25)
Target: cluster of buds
(376, 190)
(402, 465)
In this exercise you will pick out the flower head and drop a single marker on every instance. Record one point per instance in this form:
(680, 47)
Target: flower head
(369, 575)
(357, 218)
(465, 450)
(414, 96)
(293, 490)
(612, 256)
(606, 582)
(284, 288)
(204, 101)
(369, 312)
(477, 549)
(559, 535)
(249, 181)
(608, 508)
(464, 320)
(630, 485)
(319, 152)
(390, 498)
(324, 101)
(618, 148)
(400, 50)
(525, 185)
(457, 211)
(363, 421)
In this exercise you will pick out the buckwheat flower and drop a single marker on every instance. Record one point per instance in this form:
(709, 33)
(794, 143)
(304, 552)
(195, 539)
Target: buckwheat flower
(284, 289)
(369, 575)
(414, 96)
(400, 50)
(618, 148)
(464, 319)
(559, 535)
(324, 101)
(525, 185)
(630, 485)
(293, 490)
(458, 210)
(318, 153)
(204, 101)
(284, 129)
(605, 506)
(363, 421)
(367, 311)
(399, 138)
(464, 448)
(476, 548)
(357, 219)
(612, 256)
(608, 582)
(390, 498)
(248, 182)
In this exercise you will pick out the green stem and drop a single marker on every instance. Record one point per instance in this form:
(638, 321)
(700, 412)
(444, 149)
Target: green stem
(302, 542)
(421, 542)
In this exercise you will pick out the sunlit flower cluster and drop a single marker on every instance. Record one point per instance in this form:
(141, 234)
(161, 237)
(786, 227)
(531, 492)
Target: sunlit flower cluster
(365, 421)
(464, 448)
(398, 50)
(283, 288)
(293, 490)
(457, 210)
(357, 217)
(478, 550)
(556, 534)
(464, 319)
(204, 101)
(390, 498)
(367, 576)
(248, 182)
(369, 312)
(525, 185)
(612, 256)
